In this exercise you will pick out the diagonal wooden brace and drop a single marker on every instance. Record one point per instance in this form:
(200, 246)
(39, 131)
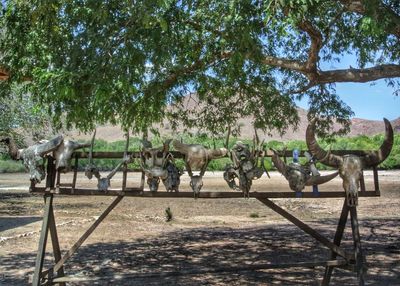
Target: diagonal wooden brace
(307, 229)
(82, 239)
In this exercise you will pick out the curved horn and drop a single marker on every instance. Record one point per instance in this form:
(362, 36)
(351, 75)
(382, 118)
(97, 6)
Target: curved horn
(376, 157)
(47, 147)
(217, 153)
(318, 180)
(278, 163)
(320, 154)
(181, 147)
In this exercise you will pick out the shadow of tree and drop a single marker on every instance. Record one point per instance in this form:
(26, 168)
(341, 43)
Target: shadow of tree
(206, 248)
(11, 222)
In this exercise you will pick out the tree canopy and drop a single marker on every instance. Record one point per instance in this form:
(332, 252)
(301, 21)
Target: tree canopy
(125, 62)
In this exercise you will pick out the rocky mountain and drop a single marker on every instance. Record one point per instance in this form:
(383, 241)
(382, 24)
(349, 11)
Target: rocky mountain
(358, 127)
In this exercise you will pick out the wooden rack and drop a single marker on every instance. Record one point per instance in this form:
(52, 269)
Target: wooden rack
(354, 261)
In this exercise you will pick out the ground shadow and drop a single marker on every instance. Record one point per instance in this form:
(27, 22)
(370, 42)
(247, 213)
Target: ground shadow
(227, 247)
(14, 222)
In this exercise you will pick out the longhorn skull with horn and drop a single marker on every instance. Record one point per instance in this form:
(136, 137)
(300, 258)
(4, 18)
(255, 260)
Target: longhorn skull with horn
(350, 166)
(299, 175)
(197, 158)
(91, 169)
(32, 156)
(154, 163)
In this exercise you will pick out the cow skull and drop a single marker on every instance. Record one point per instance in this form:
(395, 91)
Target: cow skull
(245, 167)
(153, 163)
(33, 156)
(197, 158)
(350, 166)
(64, 153)
(103, 183)
(299, 175)
(173, 179)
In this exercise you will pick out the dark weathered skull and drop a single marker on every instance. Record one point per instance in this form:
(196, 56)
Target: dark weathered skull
(153, 183)
(173, 179)
(350, 166)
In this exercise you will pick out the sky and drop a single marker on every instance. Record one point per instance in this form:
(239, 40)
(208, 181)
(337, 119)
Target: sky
(367, 100)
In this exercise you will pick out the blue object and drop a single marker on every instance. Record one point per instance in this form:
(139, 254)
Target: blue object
(315, 190)
(296, 156)
(299, 195)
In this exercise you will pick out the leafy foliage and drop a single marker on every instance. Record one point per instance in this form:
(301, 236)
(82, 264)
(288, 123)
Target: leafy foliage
(89, 62)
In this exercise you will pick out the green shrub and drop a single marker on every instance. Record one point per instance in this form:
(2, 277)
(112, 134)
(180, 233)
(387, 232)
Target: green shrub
(355, 143)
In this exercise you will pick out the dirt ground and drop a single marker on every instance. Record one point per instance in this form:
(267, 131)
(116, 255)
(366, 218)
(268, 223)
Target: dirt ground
(204, 234)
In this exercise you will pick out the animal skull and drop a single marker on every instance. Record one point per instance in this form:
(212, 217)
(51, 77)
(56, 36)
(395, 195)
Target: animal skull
(154, 162)
(244, 168)
(299, 175)
(350, 166)
(197, 158)
(64, 153)
(173, 180)
(33, 156)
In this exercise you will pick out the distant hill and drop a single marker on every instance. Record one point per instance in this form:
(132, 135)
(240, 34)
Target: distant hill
(358, 127)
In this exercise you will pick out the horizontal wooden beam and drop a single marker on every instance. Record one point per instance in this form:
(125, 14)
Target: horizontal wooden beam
(268, 153)
(136, 192)
(241, 268)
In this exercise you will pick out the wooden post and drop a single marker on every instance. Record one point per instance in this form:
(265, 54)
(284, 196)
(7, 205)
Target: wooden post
(376, 181)
(75, 173)
(357, 246)
(42, 240)
(338, 238)
(362, 182)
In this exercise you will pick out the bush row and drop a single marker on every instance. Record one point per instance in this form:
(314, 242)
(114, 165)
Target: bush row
(354, 143)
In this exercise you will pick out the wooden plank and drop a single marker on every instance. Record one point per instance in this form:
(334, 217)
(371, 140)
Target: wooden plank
(359, 257)
(182, 272)
(178, 155)
(42, 241)
(337, 240)
(82, 239)
(137, 192)
(307, 229)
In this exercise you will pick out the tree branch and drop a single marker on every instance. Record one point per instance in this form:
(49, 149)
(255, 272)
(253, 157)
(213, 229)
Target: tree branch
(316, 44)
(358, 75)
(285, 63)
(3, 74)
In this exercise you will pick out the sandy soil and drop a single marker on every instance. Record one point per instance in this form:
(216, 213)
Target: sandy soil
(135, 238)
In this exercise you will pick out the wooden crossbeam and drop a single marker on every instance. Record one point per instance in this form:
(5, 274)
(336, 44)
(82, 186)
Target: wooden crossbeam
(137, 192)
(178, 155)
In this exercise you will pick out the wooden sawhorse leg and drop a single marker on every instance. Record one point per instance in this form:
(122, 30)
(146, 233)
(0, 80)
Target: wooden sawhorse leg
(338, 238)
(48, 224)
(358, 255)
